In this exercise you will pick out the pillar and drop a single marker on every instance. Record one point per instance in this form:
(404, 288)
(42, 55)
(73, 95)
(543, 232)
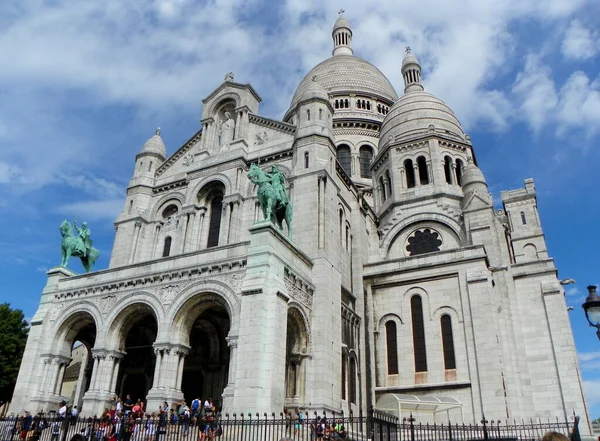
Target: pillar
(80, 390)
(417, 175)
(224, 239)
(46, 369)
(136, 236)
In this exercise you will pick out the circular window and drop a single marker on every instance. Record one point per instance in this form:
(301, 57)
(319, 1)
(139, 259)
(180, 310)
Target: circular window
(423, 240)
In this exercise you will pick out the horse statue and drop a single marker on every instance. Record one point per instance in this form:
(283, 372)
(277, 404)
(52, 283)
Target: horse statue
(75, 246)
(272, 197)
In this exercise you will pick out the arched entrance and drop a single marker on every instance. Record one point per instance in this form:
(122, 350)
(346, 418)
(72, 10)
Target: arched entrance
(207, 324)
(78, 336)
(137, 336)
(295, 353)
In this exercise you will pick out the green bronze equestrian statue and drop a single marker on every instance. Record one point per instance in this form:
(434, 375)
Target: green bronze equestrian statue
(272, 197)
(77, 246)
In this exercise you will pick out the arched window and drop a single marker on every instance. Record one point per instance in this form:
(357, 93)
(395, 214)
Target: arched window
(523, 218)
(150, 166)
(337, 104)
(344, 158)
(391, 339)
(365, 158)
(389, 182)
(423, 173)
(344, 379)
(169, 211)
(448, 169)
(368, 105)
(347, 238)
(214, 226)
(308, 114)
(382, 185)
(130, 209)
(320, 113)
(358, 104)
(448, 342)
(459, 167)
(306, 159)
(346, 103)
(416, 307)
(352, 385)
(167, 246)
(410, 173)
(341, 224)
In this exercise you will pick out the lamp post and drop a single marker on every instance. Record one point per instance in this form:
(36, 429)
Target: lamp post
(591, 308)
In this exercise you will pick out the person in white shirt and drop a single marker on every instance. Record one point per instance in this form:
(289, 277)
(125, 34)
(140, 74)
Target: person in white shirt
(62, 411)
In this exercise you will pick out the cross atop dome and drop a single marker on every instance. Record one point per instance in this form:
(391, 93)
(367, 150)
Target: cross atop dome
(342, 36)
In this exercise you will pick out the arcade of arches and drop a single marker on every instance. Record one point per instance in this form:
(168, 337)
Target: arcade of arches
(137, 364)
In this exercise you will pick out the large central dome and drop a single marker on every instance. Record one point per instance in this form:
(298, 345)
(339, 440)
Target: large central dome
(347, 73)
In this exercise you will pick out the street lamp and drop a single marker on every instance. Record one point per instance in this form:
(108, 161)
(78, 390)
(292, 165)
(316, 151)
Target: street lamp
(592, 309)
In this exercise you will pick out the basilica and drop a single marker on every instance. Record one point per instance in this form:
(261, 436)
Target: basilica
(396, 284)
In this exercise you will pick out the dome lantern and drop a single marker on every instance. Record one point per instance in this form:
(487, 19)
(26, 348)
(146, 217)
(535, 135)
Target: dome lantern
(342, 36)
(411, 72)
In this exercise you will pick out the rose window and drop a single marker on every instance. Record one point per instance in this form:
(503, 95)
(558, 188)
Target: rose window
(423, 241)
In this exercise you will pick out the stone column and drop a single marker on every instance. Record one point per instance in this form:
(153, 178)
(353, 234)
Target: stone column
(430, 172)
(199, 227)
(181, 353)
(79, 391)
(187, 219)
(232, 342)
(46, 369)
(225, 224)
(53, 379)
(238, 127)
(136, 236)
(417, 175)
(453, 177)
(62, 365)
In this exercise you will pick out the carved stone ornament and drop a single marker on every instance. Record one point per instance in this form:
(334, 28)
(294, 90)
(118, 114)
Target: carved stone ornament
(168, 293)
(234, 280)
(261, 138)
(171, 223)
(105, 303)
(188, 159)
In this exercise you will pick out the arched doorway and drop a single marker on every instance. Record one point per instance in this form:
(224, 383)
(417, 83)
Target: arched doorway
(137, 336)
(78, 336)
(205, 325)
(295, 353)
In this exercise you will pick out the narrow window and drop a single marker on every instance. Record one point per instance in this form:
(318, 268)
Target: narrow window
(150, 166)
(306, 159)
(365, 158)
(214, 226)
(448, 169)
(337, 104)
(358, 104)
(423, 174)
(320, 113)
(448, 342)
(341, 224)
(389, 182)
(308, 114)
(352, 381)
(141, 165)
(344, 158)
(167, 246)
(523, 218)
(344, 363)
(410, 173)
(416, 306)
(392, 347)
(459, 167)
(130, 209)
(347, 237)
(383, 190)
(347, 103)
(368, 105)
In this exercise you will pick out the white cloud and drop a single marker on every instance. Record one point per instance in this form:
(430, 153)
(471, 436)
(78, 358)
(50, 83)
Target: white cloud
(535, 90)
(579, 106)
(592, 392)
(580, 43)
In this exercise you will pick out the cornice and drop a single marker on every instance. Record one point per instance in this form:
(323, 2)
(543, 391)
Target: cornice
(179, 153)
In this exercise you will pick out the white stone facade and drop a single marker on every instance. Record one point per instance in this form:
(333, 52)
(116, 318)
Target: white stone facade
(400, 277)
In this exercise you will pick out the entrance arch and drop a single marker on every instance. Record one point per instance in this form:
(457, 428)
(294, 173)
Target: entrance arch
(135, 329)
(203, 323)
(76, 338)
(295, 353)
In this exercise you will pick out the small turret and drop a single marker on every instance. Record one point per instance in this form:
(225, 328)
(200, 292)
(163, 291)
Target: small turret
(314, 112)
(151, 156)
(411, 72)
(342, 36)
(474, 184)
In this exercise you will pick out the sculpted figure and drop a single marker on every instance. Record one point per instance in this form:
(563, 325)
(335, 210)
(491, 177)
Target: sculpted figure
(277, 181)
(226, 128)
(272, 197)
(78, 246)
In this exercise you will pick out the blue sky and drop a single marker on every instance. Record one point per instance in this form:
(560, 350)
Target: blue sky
(84, 84)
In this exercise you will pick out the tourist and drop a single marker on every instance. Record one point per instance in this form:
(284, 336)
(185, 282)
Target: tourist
(298, 418)
(118, 405)
(74, 413)
(195, 407)
(26, 425)
(55, 430)
(62, 410)
(128, 405)
(339, 431)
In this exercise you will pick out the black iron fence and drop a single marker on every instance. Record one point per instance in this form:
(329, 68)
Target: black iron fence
(376, 426)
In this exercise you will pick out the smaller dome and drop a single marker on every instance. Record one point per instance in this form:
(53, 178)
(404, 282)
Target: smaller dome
(419, 113)
(341, 22)
(472, 175)
(313, 90)
(155, 145)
